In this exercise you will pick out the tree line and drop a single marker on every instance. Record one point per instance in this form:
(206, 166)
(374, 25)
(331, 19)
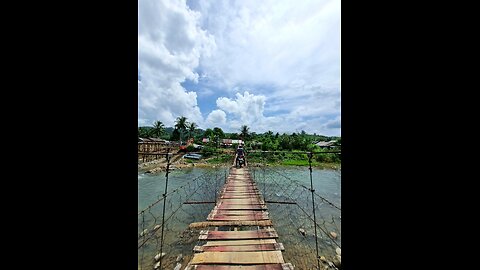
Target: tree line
(268, 141)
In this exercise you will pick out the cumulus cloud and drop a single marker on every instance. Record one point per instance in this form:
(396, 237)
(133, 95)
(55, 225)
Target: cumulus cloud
(274, 42)
(286, 51)
(246, 108)
(217, 118)
(170, 46)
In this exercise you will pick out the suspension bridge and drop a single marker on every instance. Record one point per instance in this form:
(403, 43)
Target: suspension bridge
(237, 232)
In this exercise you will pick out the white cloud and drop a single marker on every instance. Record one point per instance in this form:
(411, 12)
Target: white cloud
(286, 51)
(273, 42)
(170, 46)
(217, 118)
(247, 108)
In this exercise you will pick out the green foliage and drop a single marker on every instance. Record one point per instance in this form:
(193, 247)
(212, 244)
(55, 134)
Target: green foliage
(209, 132)
(190, 148)
(218, 132)
(328, 158)
(175, 135)
(268, 141)
(191, 129)
(208, 151)
(233, 136)
(295, 162)
(144, 132)
(158, 129)
(244, 132)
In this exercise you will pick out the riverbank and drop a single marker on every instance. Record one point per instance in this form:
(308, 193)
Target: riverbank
(160, 165)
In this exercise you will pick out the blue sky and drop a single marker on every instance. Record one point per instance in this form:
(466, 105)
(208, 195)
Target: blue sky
(271, 65)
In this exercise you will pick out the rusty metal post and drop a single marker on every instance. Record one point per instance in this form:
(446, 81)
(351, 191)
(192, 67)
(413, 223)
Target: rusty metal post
(313, 206)
(164, 204)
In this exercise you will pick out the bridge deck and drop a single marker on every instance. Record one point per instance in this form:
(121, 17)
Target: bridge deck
(237, 246)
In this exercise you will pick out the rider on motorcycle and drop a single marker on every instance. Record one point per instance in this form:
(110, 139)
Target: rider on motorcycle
(240, 155)
(240, 151)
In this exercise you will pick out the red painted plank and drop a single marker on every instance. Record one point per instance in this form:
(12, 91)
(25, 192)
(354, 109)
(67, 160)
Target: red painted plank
(237, 212)
(243, 207)
(249, 217)
(264, 247)
(257, 234)
(277, 266)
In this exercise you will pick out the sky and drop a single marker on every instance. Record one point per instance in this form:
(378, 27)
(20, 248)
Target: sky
(270, 65)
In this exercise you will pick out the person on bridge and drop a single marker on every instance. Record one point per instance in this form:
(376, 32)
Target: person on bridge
(240, 151)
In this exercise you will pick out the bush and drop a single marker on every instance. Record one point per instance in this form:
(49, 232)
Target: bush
(328, 158)
(190, 148)
(208, 151)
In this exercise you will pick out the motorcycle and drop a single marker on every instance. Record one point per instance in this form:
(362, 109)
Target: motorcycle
(240, 161)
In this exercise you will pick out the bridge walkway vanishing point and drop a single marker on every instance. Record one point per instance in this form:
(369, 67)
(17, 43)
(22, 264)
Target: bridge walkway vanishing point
(242, 235)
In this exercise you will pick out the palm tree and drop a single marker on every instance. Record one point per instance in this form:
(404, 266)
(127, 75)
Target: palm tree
(158, 129)
(244, 132)
(191, 129)
(181, 125)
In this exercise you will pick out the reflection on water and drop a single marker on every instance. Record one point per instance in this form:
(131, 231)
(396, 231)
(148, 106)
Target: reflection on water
(276, 184)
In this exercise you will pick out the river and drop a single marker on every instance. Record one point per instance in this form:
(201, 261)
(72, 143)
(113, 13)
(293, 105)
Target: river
(279, 184)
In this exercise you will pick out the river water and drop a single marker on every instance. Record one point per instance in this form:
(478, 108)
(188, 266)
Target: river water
(279, 184)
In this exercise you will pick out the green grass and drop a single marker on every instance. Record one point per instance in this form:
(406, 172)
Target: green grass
(295, 162)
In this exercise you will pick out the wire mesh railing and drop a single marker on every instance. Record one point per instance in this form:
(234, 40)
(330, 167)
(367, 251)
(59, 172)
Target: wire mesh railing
(308, 223)
(307, 218)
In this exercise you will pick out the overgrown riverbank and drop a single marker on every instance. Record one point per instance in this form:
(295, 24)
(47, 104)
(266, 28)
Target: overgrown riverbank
(157, 166)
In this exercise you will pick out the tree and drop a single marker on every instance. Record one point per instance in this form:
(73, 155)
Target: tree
(191, 129)
(244, 132)
(144, 132)
(158, 129)
(175, 135)
(218, 132)
(181, 125)
(209, 132)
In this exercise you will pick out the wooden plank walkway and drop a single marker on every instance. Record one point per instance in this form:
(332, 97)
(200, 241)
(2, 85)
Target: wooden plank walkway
(231, 243)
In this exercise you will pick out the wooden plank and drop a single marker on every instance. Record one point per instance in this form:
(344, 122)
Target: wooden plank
(240, 204)
(241, 201)
(205, 224)
(240, 242)
(243, 207)
(277, 266)
(227, 188)
(260, 257)
(259, 214)
(243, 190)
(231, 218)
(239, 212)
(231, 235)
(239, 193)
(253, 196)
(246, 248)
